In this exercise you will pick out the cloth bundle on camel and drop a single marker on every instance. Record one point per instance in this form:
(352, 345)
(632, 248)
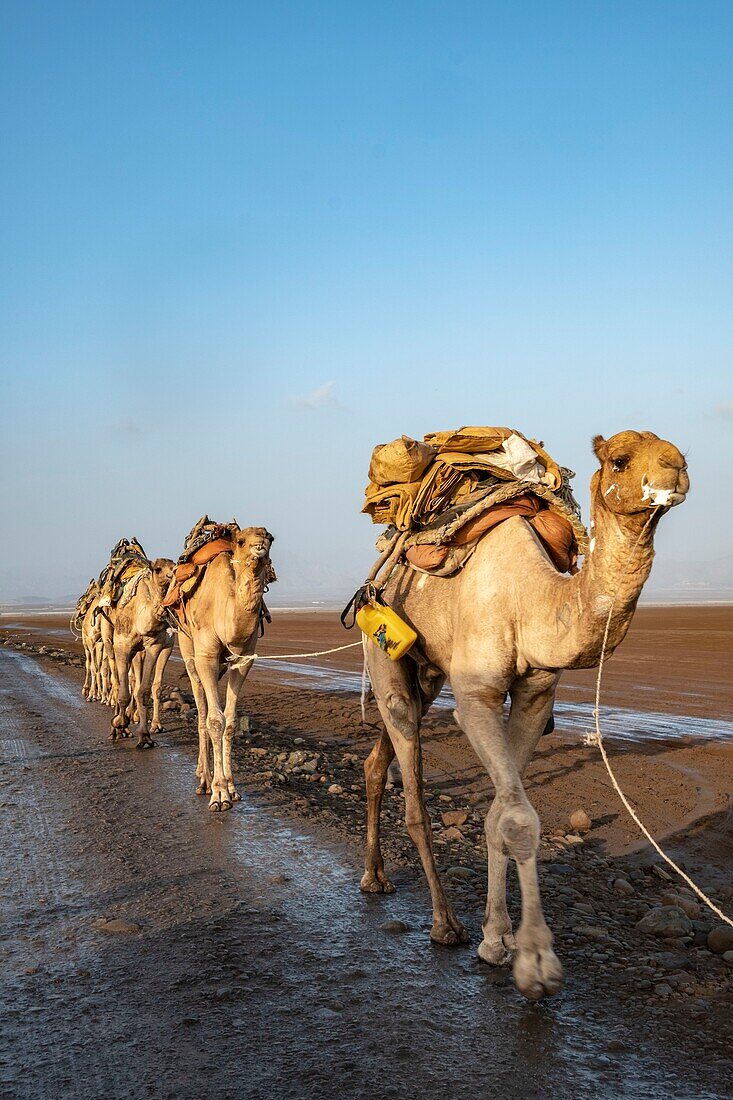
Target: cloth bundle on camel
(119, 579)
(204, 542)
(456, 486)
(83, 604)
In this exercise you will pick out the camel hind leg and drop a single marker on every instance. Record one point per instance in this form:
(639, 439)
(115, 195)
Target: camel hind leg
(376, 768)
(203, 767)
(135, 679)
(87, 688)
(401, 707)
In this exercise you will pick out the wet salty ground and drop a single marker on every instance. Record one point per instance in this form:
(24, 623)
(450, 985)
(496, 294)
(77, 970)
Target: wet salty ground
(255, 967)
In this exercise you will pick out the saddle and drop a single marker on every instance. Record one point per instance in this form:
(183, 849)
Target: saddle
(204, 542)
(190, 570)
(555, 531)
(127, 561)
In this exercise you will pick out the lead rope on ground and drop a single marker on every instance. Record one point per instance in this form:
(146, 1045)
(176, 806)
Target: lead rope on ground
(597, 739)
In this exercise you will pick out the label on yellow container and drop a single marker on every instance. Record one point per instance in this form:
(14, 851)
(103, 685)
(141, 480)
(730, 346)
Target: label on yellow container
(386, 628)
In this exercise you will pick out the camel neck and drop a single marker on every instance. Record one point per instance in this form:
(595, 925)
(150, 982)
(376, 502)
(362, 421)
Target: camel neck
(249, 589)
(617, 565)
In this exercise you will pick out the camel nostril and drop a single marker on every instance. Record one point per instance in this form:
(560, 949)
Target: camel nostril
(673, 463)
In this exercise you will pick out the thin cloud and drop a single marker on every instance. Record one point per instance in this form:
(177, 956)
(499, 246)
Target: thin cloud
(724, 410)
(126, 428)
(321, 397)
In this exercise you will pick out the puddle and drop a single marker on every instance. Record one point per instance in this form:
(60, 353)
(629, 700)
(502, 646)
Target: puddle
(617, 723)
(52, 685)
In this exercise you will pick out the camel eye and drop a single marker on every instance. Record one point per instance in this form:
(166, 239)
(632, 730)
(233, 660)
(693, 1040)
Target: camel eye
(620, 463)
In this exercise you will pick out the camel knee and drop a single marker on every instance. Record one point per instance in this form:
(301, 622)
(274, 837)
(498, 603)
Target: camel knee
(402, 713)
(215, 727)
(375, 767)
(519, 828)
(494, 838)
(191, 670)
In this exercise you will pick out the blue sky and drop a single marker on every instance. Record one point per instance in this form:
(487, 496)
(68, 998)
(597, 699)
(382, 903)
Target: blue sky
(244, 243)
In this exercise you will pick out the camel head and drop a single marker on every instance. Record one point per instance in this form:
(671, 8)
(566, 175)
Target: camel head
(161, 571)
(251, 545)
(639, 472)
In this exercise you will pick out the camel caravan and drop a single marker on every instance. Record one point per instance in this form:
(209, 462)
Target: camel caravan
(477, 584)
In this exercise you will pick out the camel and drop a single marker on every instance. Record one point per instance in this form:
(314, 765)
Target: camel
(139, 626)
(83, 614)
(224, 614)
(98, 680)
(510, 623)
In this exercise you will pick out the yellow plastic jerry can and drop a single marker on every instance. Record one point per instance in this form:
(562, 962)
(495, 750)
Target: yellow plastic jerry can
(386, 628)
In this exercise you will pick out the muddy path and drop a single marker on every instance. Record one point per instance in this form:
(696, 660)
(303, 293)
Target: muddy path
(243, 961)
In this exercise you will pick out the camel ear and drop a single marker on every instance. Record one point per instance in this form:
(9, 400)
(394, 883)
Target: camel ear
(600, 448)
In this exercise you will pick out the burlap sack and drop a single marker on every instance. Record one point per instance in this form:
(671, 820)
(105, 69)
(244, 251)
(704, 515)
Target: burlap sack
(402, 461)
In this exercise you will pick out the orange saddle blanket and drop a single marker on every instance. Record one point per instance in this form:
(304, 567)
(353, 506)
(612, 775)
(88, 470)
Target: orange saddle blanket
(174, 597)
(555, 532)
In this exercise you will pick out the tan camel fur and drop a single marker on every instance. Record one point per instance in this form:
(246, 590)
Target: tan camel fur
(139, 626)
(136, 673)
(509, 623)
(97, 681)
(224, 619)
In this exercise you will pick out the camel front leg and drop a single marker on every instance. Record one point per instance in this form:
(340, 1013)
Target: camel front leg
(96, 690)
(235, 682)
(143, 678)
(107, 632)
(160, 665)
(532, 702)
(121, 716)
(207, 667)
(401, 709)
(134, 679)
(203, 770)
(537, 970)
(376, 767)
(87, 688)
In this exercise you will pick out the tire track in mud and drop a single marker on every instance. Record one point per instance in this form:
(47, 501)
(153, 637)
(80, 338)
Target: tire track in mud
(260, 969)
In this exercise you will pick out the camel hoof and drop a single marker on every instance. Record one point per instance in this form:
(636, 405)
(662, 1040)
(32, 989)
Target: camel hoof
(147, 743)
(156, 728)
(495, 953)
(220, 803)
(378, 883)
(537, 973)
(203, 788)
(235, 796)
(449, 935)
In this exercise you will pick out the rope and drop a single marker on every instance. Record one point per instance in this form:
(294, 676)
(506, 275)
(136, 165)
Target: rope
(235, 657)
(363, 697)
(597, 739)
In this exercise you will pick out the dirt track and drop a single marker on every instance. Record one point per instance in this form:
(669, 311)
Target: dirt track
(258, 968)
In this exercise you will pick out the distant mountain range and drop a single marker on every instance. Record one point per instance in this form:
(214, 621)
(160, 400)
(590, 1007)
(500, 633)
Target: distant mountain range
(691, 582)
